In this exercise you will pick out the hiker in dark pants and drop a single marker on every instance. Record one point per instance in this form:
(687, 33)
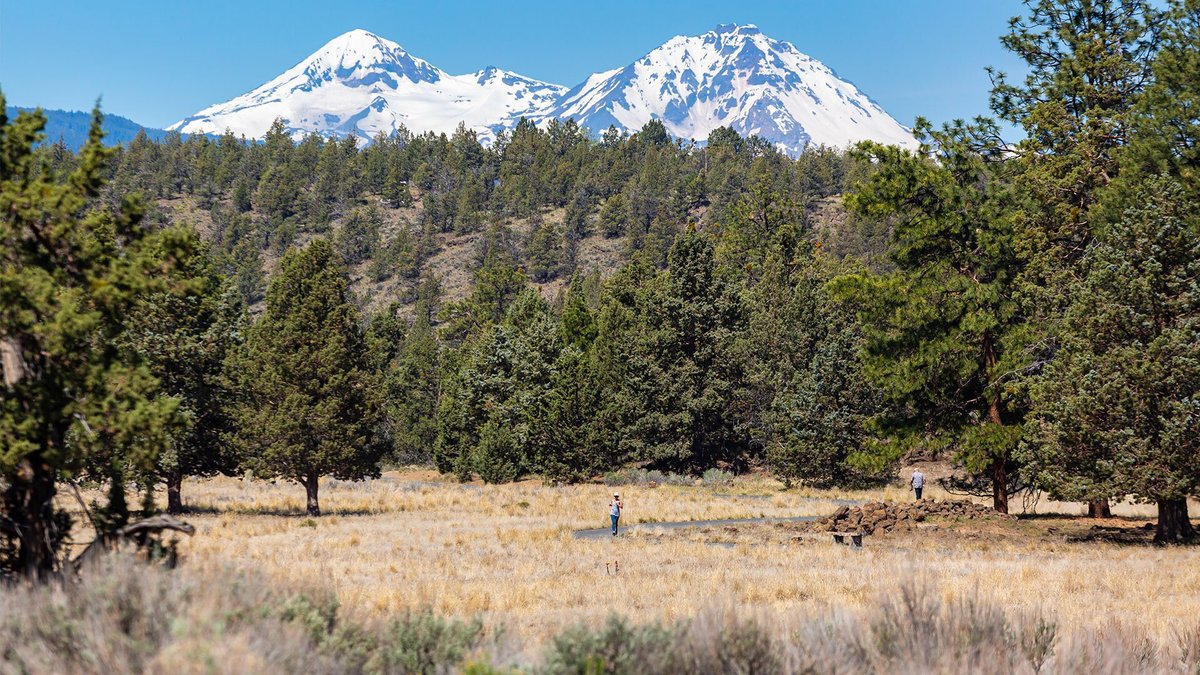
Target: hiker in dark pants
(918, 482)
(614, 511)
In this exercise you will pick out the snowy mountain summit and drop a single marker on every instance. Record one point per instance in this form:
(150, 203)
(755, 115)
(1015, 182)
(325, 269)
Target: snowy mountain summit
(361, 84)
(737, 77)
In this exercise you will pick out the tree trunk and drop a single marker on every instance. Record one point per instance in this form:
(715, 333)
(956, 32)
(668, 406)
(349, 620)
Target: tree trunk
(174, 498)
(29, 504)
(1173, 523)
(1099, 508)
(999, 471)
(999, 486)
(310, 486)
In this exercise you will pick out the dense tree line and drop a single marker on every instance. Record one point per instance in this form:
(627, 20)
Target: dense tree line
(1029, 310)
(264, 197)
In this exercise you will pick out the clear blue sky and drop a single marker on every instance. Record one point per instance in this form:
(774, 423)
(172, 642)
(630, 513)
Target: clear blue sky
(156, 62)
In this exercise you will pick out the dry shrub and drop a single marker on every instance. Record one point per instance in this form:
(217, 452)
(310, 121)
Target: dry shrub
(124, 616)
(911, 632)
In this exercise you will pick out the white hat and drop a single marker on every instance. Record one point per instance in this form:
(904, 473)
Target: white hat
(616, 495)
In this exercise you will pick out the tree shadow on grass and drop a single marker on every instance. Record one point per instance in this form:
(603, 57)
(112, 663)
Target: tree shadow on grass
(211, 510)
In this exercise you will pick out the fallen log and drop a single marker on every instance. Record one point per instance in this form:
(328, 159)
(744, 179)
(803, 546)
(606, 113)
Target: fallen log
(140, 533)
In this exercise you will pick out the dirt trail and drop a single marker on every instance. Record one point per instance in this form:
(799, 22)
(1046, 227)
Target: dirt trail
(602, 532)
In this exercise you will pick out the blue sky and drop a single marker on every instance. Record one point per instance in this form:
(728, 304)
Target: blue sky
(156, 62)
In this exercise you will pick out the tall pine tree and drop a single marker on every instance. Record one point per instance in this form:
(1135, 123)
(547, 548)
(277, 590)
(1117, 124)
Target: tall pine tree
(943, 332)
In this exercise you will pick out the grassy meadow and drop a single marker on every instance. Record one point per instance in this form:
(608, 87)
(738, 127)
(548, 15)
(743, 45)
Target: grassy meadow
(507, 555)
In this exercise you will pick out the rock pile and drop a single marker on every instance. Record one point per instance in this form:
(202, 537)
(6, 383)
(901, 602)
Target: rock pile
(880, 517)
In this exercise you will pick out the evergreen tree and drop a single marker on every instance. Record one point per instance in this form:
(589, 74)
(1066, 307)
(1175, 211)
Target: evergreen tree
(1165, 132)
(1116, 411)
(492, 420)
(414, 385)
(1089, 62)
(544, 251)
(72, 399)
(943, 333)
(185, 334)
(578, 326)
(497, 283)
(358, 238)
(684, 372)
(310, 405)
(574, 445)
(614, 216)
(807, 401)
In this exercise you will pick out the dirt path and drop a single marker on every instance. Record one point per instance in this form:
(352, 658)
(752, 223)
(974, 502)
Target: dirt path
(603, 532)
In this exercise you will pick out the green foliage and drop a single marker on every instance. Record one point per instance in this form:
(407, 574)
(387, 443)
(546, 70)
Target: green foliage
(491, 420)
(1116, 411)
(683, 370)
(497, 283)
(358, 238)
(544, 252)
(497, 457)
(1165, 133)
(943, 333)
(310, 403)
(73, 398)
(414, 383)
(185, 334)
(617, 647)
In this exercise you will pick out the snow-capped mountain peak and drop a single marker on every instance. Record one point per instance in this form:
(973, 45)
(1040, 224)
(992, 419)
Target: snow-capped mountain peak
(361, 84)
(734, 75)
(363, 54)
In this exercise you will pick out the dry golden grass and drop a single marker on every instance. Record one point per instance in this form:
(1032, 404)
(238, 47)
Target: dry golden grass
(507, 553)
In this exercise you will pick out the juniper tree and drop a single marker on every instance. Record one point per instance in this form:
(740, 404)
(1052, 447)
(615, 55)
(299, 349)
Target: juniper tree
(309, 404)
(72, 397)
(414, 383)
(1118, 409)
(807, 401)
(683, 374)
(185, 334)
(493, 417)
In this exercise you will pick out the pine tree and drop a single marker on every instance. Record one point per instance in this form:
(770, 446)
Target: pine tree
(497, 283)
(1089, 63)
(578, 326)
(573, 444)
(614, 216)
(943, 332)
(1165, 132)
(310, 405)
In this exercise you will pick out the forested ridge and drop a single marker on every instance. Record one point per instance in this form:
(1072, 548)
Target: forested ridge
(559, 306)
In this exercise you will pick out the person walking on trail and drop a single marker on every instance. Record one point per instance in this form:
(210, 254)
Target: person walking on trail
(918, 482)
(614, 511)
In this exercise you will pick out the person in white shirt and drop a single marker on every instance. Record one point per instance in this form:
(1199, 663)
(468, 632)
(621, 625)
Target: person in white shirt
(614, 511)
(918, 482)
